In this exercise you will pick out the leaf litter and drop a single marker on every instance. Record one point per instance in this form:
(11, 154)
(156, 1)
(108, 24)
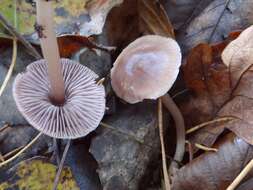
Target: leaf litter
(218, 76)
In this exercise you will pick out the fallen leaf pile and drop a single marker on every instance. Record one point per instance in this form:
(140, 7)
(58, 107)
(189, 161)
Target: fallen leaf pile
(220, 82)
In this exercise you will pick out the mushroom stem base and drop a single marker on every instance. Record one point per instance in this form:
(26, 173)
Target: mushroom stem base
(180, 128)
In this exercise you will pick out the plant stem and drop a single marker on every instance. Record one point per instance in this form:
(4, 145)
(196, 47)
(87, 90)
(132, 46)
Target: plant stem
(21, 151)
(241, 176)
(50, 49)
(59, 171)
(164, 164)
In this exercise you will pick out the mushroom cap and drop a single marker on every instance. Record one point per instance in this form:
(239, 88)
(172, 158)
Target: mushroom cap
(84, 100)
(146, 68)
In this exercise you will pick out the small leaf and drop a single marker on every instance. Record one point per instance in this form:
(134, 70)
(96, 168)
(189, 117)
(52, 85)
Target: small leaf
(38, 174)
(215, 170)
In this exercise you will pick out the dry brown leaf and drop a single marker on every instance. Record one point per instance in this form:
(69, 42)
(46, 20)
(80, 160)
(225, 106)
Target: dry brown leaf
(237, 101)
(208, 80)
(216, 21)
(134, 18)
(215, 170)
(238, 55)
(70, 44)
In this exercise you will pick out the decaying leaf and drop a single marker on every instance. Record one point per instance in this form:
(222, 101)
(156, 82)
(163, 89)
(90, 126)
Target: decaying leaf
(237, 101)
(38, 174)
(134, 18)
(215, 170)
(216, 21)
(84, 17)
(238, 55)
(208, 81)
(182, 12)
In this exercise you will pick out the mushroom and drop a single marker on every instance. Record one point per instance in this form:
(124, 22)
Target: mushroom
(147, 69)
(81, 111)
(59, 97)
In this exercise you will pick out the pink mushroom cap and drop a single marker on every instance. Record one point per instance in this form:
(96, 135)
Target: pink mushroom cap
(146, 69)
(82, 110)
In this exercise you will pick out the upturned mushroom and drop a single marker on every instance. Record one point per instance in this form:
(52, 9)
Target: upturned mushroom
(146, 69)
(59, 97)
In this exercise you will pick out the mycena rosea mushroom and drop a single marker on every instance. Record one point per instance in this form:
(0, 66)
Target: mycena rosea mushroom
(59, 97)
(147, 69)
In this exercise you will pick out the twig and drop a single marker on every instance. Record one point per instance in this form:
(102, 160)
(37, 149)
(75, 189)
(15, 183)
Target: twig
(4, 127)
(10, 70)
(160, 125)
(205, 148)
(21, 151)
(1, 157)
(15, 33)
(197, 127)
(241, 176)
(12, 152)
(179, 93)
(190, 150)
(58, 174)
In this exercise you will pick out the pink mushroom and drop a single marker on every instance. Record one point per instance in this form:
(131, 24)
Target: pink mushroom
(146, 69)
(59, 97)
(81, 111)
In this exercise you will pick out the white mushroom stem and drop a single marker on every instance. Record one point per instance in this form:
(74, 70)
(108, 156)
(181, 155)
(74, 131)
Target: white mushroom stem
(180, 128)
(50, 50)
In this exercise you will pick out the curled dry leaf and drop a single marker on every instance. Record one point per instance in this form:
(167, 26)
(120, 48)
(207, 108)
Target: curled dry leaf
(208, 80)
(238, 57)
(215, 170)
(237, 101)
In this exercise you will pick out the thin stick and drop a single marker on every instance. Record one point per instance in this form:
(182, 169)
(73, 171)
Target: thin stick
(241, 176)
(50, 49)
(197, 127)
(180, 128)
(12, 152)
(21, 151)
(205, 148)
(190, 150)
(4, 127)
(58, 174)
(15, 33)
(160, 125)
(10, 70)
(1, 157)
